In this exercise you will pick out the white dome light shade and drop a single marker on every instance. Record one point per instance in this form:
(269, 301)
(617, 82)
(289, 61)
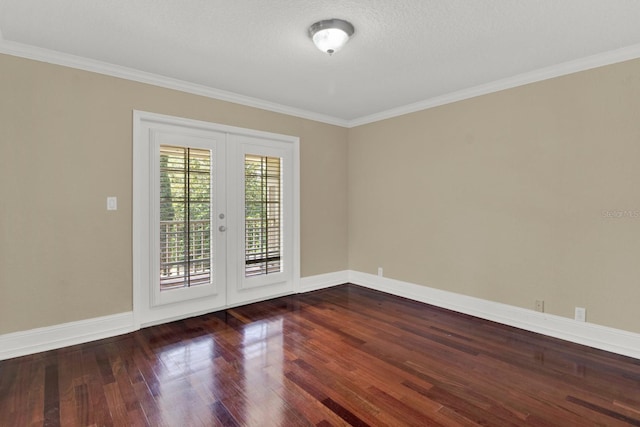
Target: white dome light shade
(330, 35)
(330, 40)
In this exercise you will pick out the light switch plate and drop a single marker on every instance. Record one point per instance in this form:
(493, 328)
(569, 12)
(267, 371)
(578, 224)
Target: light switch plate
(112, 203)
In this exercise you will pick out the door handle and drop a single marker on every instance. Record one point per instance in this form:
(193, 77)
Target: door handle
(222, 228)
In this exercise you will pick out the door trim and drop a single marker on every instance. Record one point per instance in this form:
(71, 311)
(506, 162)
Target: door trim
(142, 120)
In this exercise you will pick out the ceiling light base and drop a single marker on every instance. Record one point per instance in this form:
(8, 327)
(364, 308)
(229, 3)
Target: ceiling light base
(331, 35)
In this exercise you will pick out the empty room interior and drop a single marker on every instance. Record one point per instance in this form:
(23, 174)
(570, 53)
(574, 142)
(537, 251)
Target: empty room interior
(211, 215)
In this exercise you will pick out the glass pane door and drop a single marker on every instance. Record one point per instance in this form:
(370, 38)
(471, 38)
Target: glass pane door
(264, 234)
(188, 177)
(215, 217)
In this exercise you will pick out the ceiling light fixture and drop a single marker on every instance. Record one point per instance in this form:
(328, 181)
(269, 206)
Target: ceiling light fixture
(331, 34)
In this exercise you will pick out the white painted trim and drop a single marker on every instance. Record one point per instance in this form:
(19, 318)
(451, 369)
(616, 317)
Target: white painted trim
(87, 64)
(67, 60)
(589, 334)
(164, 119)
(52, 337)
(296, 216)
(570, 67)
(321, 281)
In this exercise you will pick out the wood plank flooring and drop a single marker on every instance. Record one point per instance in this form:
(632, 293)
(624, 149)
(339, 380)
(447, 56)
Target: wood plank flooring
(340, 356)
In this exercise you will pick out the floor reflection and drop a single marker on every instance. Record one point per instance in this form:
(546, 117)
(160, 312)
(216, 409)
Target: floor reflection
(262, 348)
(182, 392)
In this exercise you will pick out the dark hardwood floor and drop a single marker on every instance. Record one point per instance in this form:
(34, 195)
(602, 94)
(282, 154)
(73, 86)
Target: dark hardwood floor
(341, 356)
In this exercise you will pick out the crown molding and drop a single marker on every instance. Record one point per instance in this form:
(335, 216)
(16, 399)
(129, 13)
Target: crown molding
(86, 64)
(570, 67)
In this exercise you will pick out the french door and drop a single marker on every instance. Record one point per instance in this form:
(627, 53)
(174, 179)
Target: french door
(263, 205)
(215, 217)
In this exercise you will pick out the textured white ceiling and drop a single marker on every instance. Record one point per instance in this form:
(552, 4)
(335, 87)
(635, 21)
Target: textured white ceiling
(403, 51)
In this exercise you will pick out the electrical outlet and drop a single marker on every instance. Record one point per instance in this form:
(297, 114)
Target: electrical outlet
(540, 305)
(581, 314)
(380, 271)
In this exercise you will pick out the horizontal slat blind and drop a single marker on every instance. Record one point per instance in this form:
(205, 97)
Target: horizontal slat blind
(185, 217)
(263, 215)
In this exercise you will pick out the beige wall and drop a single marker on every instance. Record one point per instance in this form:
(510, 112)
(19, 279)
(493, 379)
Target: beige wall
(501, 197)
(66, 144)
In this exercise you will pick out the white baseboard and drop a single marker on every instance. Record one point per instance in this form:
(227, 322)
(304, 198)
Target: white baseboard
(321, 281)
(609, 339)
(49, 338)
(589, 334)
(32, 341)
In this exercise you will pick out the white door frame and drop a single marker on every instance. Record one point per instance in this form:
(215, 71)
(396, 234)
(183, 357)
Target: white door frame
(143, 122)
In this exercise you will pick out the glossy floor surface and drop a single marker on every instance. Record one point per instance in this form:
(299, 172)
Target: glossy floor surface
(341, 356)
